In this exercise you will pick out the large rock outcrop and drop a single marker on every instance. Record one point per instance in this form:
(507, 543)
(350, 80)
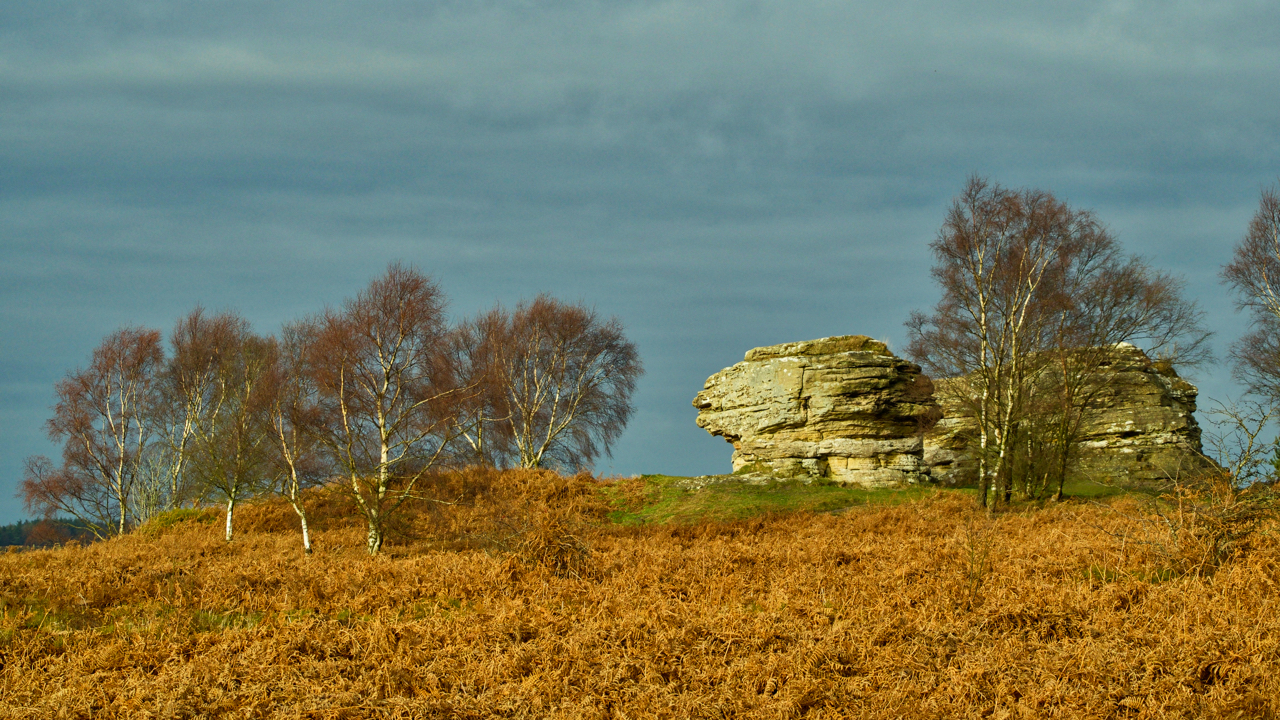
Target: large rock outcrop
(1140, 428)
(840, 407)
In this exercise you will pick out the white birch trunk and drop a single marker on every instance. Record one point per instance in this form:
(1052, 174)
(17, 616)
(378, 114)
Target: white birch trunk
(302, 516)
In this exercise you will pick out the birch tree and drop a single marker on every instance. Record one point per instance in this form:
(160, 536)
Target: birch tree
(1035, 296)
(993, 254)
(386, 390)
(294, 413)
(483, 420)
(1254, 275)
(232, 436)
(1104, 298)
(188, 397)
(564, 380)
(101, 418)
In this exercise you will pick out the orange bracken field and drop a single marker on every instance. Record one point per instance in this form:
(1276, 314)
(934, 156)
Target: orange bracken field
(525, 601)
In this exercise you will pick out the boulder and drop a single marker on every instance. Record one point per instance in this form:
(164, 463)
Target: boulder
(839, 407)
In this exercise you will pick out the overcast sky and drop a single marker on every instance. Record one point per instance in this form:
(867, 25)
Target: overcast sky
(719, 175)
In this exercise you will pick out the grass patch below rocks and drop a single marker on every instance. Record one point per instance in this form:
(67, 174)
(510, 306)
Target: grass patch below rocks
(668, 499)
(673, 499)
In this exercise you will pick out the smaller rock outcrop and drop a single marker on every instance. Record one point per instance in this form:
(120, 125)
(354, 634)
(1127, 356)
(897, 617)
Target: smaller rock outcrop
(1142, 427)
(1138, 429)
(840, 407)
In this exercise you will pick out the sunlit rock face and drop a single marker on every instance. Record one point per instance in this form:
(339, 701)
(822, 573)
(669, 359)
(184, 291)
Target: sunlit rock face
(839, 407)
(1140, 428)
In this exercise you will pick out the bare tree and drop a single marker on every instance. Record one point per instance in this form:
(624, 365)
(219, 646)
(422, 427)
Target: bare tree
(233, 434)
(1254, 275)
(294, 413)
(1036, 296)
(188, 398)
(102, 420)
(388, 394)
(483, 417)
(563, 380)
(994, 252)
(1103, 299)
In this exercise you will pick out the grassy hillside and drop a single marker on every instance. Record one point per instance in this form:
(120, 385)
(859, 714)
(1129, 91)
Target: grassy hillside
(542, 596)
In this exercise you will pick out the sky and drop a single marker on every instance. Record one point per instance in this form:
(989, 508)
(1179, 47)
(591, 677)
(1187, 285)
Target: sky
(718, 175)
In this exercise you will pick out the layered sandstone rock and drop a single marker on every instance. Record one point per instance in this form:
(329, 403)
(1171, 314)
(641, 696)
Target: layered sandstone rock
(840, 407)
(1139, 429)
(947, 442)
(1142, 427)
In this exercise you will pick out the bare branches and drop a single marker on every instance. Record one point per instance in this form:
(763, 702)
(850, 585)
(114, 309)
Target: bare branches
(1238, 444)
(378, 393)
(387, 393)
(191, 396)
(232, 439)
(484, 417)
(1035, 296)
(1254, 275)
(998, 260)
(1210, 512)
(103, 419)
(558, 382)
(293, 413)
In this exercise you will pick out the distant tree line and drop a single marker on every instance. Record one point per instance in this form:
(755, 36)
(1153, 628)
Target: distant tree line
(16, 533)
(43, 532)
(375, 394)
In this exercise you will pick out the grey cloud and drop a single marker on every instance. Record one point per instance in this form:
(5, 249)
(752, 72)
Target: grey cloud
(719, 174)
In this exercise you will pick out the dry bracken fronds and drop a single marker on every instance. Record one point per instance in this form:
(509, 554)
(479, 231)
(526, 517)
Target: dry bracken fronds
(853, 615)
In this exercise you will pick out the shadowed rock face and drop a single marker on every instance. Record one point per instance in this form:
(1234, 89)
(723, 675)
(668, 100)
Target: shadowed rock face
(840, 407)
(1139, 429)
(1142, 427)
